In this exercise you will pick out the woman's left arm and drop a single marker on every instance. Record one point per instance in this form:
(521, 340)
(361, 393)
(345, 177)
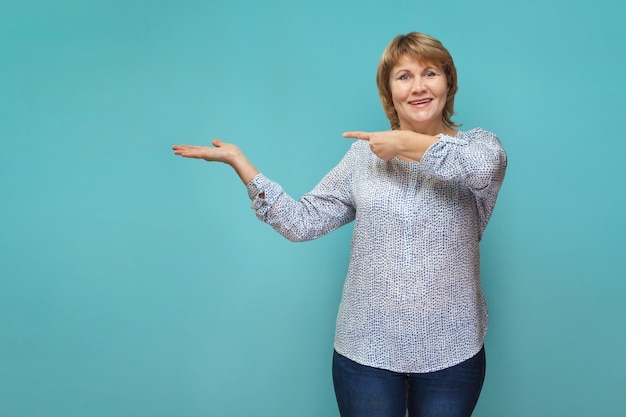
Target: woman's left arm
(403, 144)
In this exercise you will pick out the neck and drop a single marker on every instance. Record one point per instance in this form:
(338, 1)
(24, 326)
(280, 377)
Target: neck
(431, 129)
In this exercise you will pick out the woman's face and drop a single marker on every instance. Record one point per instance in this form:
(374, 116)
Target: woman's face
(419, 91)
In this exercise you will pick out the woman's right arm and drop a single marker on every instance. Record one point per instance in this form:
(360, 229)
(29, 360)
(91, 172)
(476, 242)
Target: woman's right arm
(327, 207)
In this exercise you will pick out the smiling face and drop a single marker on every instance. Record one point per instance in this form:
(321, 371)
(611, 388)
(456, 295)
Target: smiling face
(419, 91)
(410, 49)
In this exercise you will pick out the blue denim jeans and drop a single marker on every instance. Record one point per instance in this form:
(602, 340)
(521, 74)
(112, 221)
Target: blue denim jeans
(363, 391)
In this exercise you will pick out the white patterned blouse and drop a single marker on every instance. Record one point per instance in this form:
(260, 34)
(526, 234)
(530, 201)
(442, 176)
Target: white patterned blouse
(412, 300)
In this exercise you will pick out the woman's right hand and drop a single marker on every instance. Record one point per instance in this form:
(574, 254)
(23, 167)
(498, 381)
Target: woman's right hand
(220, 152)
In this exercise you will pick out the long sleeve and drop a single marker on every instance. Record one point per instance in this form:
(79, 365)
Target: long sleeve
(476, 160)
(327, 207)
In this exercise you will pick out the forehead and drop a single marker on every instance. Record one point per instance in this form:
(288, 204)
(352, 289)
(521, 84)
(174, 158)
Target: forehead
(410, 61)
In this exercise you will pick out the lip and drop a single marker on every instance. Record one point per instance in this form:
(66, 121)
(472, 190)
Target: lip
(422, 102)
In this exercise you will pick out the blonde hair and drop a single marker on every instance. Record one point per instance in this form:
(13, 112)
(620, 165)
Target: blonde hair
(424, 48)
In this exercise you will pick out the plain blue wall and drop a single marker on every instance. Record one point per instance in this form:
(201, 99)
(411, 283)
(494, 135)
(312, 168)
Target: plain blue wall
(136, 283)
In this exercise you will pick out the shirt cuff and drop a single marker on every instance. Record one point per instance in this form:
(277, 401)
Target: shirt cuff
(452, 139)
(260, 184)
(256, 186)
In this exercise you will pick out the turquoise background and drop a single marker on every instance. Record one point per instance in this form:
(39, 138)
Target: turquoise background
(137, 283)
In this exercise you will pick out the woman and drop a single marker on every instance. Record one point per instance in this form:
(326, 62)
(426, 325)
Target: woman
(412, 318)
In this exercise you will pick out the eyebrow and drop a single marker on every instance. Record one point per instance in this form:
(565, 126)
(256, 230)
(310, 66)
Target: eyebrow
(426, 68)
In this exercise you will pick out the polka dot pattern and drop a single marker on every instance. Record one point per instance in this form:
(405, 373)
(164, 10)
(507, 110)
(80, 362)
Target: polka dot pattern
(412, 299)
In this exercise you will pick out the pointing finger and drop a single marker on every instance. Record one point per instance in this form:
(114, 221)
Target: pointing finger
(357, 135)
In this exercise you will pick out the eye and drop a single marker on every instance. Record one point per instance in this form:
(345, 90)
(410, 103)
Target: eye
(431, 74)
(403, 77)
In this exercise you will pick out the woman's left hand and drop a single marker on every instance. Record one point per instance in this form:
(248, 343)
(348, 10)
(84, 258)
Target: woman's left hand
(385, 145)
(404, 144)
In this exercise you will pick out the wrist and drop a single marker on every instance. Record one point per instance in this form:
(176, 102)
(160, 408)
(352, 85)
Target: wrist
(244, 168)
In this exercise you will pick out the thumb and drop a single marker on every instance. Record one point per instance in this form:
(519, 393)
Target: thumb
(217, 143)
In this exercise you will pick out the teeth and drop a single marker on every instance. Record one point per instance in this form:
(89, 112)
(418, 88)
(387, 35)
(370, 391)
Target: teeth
(426, 100)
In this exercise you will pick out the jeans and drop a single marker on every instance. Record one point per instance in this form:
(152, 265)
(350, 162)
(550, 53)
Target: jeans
(363, 391)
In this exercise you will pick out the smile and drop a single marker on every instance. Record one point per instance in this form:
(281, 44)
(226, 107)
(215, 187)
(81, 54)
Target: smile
(422, 101)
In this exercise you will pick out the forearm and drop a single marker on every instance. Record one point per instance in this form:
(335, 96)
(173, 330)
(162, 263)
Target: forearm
(315, 214)
(412, 146)
(475, 158)
(325, 208)
(244, 168)
(406, 145)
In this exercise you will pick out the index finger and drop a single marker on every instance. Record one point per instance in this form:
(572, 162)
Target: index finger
(357, 135)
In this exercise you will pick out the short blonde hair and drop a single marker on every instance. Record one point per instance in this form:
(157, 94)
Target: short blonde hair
(424, 48)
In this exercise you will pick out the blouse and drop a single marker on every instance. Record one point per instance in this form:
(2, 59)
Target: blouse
(412, 299)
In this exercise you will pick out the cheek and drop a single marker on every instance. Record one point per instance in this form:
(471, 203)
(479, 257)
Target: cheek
(444, 89)
(397, 93)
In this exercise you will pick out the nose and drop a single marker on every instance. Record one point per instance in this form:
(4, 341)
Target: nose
(418, 85)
